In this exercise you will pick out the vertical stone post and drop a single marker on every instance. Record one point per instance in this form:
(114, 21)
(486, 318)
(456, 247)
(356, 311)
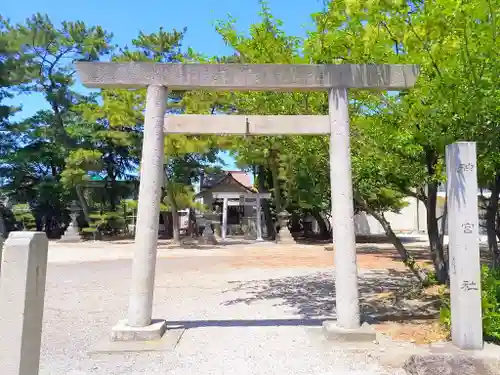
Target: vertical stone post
(148, 210)
(22, 292)
(463, 221)
(346, 272)
(258, 219)
(224, 217)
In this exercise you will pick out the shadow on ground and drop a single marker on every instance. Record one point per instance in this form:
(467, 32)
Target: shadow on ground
(196, 245)
(417, 253)
(186, 324)
(360, 239)
(384, 296)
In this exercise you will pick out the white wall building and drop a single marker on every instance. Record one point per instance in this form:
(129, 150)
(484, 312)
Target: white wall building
(411, 219)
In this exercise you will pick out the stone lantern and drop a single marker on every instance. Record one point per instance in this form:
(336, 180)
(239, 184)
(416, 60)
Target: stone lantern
(208, 235)
(72, 231)
(284, 236)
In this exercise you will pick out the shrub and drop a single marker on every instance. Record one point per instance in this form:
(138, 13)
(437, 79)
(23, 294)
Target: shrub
(490, 282)
(490, 302)
(109, 222)
(23, 214)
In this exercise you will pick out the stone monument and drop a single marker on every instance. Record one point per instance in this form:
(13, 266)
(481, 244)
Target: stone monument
(72, 233)
(22, 294)
(465, 268)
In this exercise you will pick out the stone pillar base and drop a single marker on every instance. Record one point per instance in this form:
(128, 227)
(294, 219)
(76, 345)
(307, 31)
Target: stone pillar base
(71, 235)
(70, 239)
(207, 237)
(123, 332)
(207, 240)
(334, 332)
(285, 237)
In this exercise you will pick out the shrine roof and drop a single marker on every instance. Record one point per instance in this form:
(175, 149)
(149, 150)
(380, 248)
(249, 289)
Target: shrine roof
(239, 178)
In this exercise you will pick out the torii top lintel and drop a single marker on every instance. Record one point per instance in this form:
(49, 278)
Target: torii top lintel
(246, 77)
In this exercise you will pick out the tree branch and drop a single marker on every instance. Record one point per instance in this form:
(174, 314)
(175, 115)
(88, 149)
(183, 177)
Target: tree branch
(434, 64)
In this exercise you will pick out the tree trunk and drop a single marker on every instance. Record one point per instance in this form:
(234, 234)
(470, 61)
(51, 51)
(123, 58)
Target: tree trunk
(3, 226)
(295, 225)
(39, 222)
(491, 216)
(175, 216)
(276, 188)
(497, 228)
(83, 203)
(271, 230)
(112, 191)
(436, 246)
(406, 257)
(167, 224)
(444, 218)
(275, 178)
(192, 232)
(324, 232)
(430, 201)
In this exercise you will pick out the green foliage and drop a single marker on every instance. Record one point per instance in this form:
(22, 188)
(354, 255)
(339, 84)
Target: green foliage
(184, 198)
(106, 222)
(129, 205)
(122, 112)
(22, 213)
(490, 284)
(490, 302)
(431, 278)
(12, 67)
(398, 139)
(299, 164)
(44, 149)
(78, 163)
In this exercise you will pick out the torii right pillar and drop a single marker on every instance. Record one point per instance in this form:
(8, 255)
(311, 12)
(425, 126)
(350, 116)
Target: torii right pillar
(346, 272)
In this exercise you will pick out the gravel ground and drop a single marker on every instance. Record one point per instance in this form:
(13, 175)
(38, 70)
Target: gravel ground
(239, 321)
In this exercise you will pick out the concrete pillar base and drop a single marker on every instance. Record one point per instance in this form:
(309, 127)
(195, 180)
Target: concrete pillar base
(123, 332)
(334, 332)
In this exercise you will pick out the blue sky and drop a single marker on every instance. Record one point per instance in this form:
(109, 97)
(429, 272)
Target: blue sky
(126, 18)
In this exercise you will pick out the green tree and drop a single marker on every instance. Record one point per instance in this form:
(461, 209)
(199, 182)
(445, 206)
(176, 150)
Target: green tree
(419, 123)
(185, 155)
(47, 143)
(271, 156)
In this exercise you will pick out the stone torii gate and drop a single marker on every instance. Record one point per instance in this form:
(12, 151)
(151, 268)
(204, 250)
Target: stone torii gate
(159, 78)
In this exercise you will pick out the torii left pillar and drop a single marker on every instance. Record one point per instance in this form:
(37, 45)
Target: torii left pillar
(139, 325)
